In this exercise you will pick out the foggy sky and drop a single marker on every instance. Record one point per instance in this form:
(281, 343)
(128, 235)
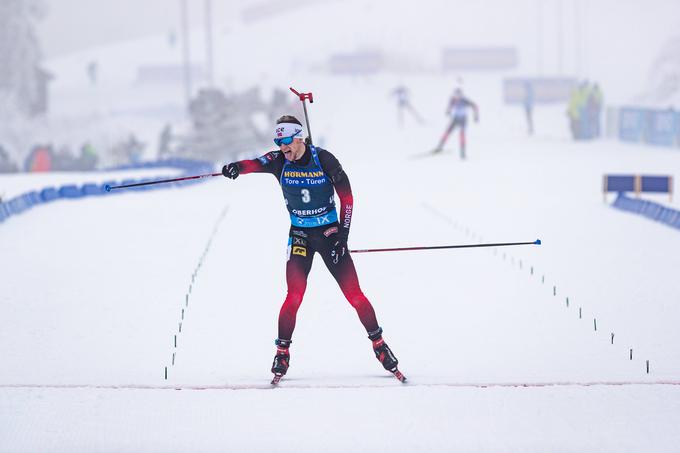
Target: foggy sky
(599, 39)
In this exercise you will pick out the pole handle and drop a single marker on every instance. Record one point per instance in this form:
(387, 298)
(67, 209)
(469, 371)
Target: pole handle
(303, 96)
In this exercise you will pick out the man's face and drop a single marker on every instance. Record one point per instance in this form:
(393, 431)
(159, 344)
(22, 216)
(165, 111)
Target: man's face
(294, 151)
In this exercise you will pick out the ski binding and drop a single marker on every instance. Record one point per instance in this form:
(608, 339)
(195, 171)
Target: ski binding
(397, 374)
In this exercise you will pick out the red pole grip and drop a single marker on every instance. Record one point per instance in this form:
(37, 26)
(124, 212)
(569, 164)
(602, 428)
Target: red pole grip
(303, 96)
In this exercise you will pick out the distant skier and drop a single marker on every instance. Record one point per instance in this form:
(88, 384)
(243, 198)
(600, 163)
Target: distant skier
(457, 110)
(308, 175)
(93, 72)
(528, 102)
(594, 109)
(404, 104)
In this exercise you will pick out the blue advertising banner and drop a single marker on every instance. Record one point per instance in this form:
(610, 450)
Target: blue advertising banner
(479, 58)
(541, 90)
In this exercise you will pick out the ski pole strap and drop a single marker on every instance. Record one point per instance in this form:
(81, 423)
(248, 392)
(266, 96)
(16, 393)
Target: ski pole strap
(109, 188)
(437, 247)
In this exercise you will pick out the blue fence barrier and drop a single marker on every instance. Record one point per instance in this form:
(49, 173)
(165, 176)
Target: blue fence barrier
(655, 127)
(27, 200)
(649, 209)
(618, 183)
(658, 184)
(91, 189)
(49, 194)
(661, 127)
(631, 122)
(71, 191)
(637, 184)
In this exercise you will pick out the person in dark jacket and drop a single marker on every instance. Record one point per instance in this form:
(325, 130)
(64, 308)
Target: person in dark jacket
(457, 110)
(308, 176)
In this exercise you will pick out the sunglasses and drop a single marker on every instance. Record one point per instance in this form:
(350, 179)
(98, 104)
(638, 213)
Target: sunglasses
(285, 140)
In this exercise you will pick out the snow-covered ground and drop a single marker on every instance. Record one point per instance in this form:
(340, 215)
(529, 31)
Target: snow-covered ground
(100, 296)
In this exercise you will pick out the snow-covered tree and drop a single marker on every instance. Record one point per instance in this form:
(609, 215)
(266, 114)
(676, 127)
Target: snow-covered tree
(21, 79)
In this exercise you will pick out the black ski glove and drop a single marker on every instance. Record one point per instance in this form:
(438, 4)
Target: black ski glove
(339, 248)
(231, 170)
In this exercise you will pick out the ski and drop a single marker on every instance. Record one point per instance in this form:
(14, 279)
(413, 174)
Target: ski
(430, 153)
(276, 380)
(397, 374)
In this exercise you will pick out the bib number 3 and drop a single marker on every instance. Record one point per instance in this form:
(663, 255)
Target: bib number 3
(306, 196)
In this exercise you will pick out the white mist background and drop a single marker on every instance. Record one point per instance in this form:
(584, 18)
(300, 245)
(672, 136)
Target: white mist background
(612, 42)
(93, 289)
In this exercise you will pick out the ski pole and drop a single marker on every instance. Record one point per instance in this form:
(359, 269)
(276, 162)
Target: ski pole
(109, 188)
(403, 249)
(303, 97)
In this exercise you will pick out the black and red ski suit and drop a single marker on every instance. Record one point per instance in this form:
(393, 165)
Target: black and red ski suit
(308, 185)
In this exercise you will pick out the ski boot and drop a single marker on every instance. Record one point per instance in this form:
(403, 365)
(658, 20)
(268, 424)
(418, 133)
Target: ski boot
(384, 354)
(281, 360)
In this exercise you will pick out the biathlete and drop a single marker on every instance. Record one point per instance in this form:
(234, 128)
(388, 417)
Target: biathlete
(404, 104)
(308, 175)
(457, 110)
